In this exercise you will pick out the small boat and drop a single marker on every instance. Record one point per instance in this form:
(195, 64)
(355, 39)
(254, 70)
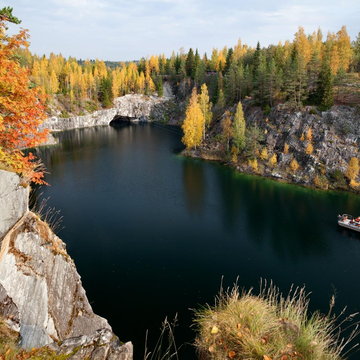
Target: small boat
(349, 222)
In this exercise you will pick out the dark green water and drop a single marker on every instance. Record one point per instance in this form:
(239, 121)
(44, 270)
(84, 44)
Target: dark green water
(152, 232)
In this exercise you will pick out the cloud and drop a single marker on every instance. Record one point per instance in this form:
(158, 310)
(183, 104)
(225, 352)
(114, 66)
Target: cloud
(130, 29)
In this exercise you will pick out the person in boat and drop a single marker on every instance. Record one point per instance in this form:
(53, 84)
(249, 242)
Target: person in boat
(357, 219)
(352, 222)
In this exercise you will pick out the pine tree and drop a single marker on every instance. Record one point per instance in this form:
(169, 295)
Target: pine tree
(196, 65)
(254, 137)
(159, 87)
(189, 64)
(193, 123)
(324, 92)
(239, 128)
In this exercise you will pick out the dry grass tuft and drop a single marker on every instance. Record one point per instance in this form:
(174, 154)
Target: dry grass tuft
(269, 326)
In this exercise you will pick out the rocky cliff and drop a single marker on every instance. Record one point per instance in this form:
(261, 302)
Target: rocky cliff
(132, 107)
(334, 141)
(41, 295)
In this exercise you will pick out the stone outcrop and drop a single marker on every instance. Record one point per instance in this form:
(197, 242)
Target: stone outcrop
(132, 107)
(335, 140)
(41, 295)
(13, 201)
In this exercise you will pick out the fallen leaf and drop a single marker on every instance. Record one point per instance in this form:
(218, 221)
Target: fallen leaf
(267, 357)
(212, 348)
(231, 354)
(214, 330)
(221, 341)
(11, 316)
(239, 326)
(247, 329)
(7, 351)
(239, 334)
(284, 357)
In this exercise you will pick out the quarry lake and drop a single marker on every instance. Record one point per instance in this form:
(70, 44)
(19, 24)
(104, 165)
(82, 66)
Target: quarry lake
(152, 233)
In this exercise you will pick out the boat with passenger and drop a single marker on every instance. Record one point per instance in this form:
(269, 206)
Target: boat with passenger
(349, 222)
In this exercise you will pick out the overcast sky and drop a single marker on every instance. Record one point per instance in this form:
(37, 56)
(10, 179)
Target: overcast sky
(130, 29)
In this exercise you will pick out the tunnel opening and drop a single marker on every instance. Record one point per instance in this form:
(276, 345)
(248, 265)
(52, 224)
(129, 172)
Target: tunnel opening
(121, 119)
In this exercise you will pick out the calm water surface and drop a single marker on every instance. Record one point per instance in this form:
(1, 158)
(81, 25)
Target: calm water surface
(152, 232)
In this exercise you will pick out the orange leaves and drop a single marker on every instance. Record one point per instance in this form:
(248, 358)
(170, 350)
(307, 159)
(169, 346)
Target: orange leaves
(231, 354)
(21, 108)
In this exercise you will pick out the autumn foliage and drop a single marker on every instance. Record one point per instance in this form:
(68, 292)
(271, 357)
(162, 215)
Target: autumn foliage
(21, 109)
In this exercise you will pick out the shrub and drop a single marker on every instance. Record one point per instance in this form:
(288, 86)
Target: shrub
(309, 149)
(294, 165)
(267, 326)
(273, 160)
(267, 110)
(313, 111)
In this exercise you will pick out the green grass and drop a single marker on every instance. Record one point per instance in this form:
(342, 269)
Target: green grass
(269, 326)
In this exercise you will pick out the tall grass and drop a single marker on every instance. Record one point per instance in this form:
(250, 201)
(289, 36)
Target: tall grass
(165, 348)
(267, 326)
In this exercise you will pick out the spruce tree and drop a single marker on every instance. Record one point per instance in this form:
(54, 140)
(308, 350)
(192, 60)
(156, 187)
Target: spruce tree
(159, 87)
(324, 93)
(189, 64)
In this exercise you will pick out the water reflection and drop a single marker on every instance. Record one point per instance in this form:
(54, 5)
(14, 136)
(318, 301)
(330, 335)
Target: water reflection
(194, 186)
(140, 220)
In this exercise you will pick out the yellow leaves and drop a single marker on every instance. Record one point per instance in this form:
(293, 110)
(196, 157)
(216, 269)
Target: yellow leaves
(214, 330)
(294, 165)
(264, 154)
(302, 137)
(231, 354)
(193, 124)
(273, 160)
(253, 165)
(309, 149)
(309, 135)
(353, 169)
(286, 148)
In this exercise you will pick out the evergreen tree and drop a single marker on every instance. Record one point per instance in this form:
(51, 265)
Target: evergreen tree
(260, 81)
(159, 87)
(105, 93)
(256, 61)
(239, 128)
(197, 62)
(254, 137)
(229, 60)
(324, 92)
(189, 64)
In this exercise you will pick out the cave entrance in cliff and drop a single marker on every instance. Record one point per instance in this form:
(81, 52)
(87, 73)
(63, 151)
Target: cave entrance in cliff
(121, 119)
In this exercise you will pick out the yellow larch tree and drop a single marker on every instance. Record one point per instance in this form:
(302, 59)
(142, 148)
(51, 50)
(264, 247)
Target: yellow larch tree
(273, 160)
(264, 154)
(54, 83)
(205, 106)
(353, 169)
(303, 45)
(309, 135)
(294, 165)
(193, 123)
(286, 148)
(344, 48)
(309, 149)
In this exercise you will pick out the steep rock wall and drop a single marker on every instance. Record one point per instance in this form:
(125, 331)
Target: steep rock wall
(133, 106)
(41, 295)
